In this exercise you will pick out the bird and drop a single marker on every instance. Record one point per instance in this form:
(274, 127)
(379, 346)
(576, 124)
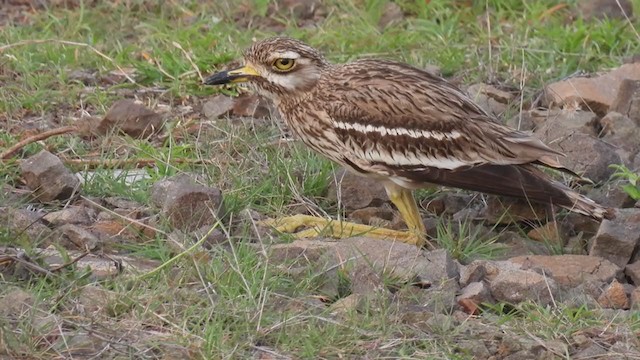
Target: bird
(402, 126)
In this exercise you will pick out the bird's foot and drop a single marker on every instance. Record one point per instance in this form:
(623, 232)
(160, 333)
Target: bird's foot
(317, 226)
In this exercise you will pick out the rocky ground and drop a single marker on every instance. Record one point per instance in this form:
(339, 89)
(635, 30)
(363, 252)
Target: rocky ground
(498, 264)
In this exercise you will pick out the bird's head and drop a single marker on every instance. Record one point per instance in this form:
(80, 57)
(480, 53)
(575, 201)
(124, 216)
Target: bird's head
(278, 67)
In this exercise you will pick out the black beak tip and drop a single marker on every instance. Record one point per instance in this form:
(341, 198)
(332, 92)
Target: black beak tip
(220, 78)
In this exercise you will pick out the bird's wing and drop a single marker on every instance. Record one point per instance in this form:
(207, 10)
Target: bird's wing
(391, 114)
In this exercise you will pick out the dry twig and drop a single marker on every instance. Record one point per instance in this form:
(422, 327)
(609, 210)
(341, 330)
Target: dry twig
(33, 138)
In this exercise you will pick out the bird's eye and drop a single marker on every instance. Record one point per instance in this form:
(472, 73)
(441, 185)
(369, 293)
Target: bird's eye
(283, 64)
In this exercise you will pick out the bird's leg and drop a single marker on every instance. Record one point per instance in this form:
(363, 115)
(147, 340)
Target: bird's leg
(403, 199)
(317, 226)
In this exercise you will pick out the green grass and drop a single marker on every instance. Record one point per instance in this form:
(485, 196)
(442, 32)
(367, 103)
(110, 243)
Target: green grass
(233, 301)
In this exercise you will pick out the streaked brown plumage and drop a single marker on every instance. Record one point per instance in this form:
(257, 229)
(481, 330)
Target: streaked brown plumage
(402, 125)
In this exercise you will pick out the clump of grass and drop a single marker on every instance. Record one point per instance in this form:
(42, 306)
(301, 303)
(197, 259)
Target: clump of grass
(466, 241)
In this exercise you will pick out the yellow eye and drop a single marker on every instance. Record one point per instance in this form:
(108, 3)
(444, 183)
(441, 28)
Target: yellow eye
(284, 64)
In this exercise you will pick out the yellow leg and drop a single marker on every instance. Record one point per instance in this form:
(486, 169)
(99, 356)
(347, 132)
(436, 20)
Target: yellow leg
(317, 226)
(402, 198)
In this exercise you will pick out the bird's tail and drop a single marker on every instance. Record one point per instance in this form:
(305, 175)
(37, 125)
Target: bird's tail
(520, 181)
(583, 205)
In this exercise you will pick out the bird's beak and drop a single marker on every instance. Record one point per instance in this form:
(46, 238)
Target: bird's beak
(232, 76)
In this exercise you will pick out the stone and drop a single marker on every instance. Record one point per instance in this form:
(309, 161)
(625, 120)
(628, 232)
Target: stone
(356, 192)
(635, 299)
(346, 304)
(595, 351)
(611, 195)
(505, 210)
(187, 205)
(516, 285)
(477, 292)
(493, 100)
(300, 252)
(131, 118)
(616, 239)
(374, 216)
(94, 299)
(573, 133)
(595, 93)
(404, 263)
(614, 297)
(605, 9)
(74, 237)
(476, 348)
(217, 106)
(48, 178)
(570, 270)
(622, 132)
(586, 155)
(632, 271)
(530, 120)
(392, 14)
(624, 350)
(15, 303)
(69, 215)
(550, 233)
(627, 103)
(251, 105)
(24, 222)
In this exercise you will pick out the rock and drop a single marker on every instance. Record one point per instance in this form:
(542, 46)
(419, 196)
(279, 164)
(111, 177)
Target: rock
(374, 216)
(622, 132)
(627, 103)
(595, 351)
(635, 299)
(515, 286)
(504, 210)
(15, 303)
(550, 233)
(624, 349)
(401, 262)
(356, 192)
(616, 239)
(24, 222)
(561, 123)
(74, 237)
(131, 118)
(69, 215)
(596, 93)
(611, 195)
(605, 9)
(448, 203)
(217, 106)
(346, 305)
(476, 348)
(530, 120)
(477, 292)
(586, 155)
(182, 241)
(301, 252)
(48, 178)
(94, 299)
(573, 133)
(391, 15)
(614, 297)
(251, 105)
(632, 271)
(515, 244)
(493, 100)
(570, 270)
(300, 9)
(187, 205)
